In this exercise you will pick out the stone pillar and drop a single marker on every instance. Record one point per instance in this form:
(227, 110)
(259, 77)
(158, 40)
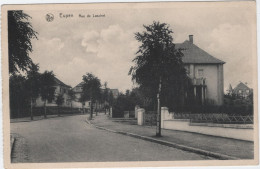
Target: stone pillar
(126, 114)
(165, 115)
(140, 116)
(111, 112)
(136, 108)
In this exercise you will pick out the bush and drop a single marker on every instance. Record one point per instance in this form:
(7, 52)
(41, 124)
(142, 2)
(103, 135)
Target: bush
(118, 111)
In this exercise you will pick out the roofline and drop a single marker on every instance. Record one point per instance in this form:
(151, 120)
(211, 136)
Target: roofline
(205, 63)
(220, 61)
(62, 83)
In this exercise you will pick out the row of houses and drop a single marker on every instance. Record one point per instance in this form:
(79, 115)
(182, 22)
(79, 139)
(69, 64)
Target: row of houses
(63, 89)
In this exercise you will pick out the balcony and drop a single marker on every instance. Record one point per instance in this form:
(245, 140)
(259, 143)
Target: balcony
(199, 81)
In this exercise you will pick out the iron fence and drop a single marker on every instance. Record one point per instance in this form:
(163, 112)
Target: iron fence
(150, 118)
(182, 115)
(220, 118)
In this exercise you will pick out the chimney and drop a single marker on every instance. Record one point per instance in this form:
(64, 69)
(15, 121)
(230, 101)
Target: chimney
(191, 38)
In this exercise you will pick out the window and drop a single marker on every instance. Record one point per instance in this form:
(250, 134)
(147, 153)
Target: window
(200, 72)
(239, 91)
(247, 91)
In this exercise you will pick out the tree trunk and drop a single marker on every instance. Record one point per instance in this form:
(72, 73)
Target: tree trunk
(91, 109)
(71, 105)
(96, 108)
(31, 110)
(45, 115)
(158, 126)
(83, 108)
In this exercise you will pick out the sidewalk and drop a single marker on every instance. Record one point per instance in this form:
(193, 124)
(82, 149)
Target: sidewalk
(231, 147)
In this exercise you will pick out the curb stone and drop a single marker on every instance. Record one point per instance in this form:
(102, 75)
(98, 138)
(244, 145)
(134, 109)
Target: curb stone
(12, 144)
(170, 144)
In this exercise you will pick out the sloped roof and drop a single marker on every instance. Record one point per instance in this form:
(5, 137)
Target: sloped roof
(79, 85)
(194, 54)
(241, 86)
(61, 83)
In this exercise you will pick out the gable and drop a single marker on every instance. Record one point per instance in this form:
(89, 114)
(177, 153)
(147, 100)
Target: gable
(241, 86)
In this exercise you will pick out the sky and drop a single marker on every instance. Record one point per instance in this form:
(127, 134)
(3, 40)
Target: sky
(106, 46)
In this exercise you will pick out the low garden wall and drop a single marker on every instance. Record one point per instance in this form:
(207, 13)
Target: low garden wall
(222, 131)
(235, 131)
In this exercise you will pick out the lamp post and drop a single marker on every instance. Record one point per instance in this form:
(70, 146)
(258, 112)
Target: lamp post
(158, 123)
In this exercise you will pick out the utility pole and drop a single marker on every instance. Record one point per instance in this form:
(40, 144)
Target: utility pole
(158, 123)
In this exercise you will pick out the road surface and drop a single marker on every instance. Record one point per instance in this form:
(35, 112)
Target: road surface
(71, 139)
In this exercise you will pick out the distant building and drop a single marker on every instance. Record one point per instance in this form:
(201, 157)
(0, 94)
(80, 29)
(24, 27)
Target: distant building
(242, 90)
(78, 90)
(115, 92)
(205, 71)
(60, 88)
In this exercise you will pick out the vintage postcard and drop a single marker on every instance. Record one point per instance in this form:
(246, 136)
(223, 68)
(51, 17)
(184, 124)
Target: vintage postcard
(159, 84)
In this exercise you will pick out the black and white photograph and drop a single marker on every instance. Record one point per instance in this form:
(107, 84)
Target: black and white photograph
(167, 83)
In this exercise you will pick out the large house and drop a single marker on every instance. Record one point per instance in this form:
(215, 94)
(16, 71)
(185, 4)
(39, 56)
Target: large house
(205, 72)
(60, 88)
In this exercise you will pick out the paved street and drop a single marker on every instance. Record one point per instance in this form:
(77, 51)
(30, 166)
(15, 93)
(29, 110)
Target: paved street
(71, 139)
